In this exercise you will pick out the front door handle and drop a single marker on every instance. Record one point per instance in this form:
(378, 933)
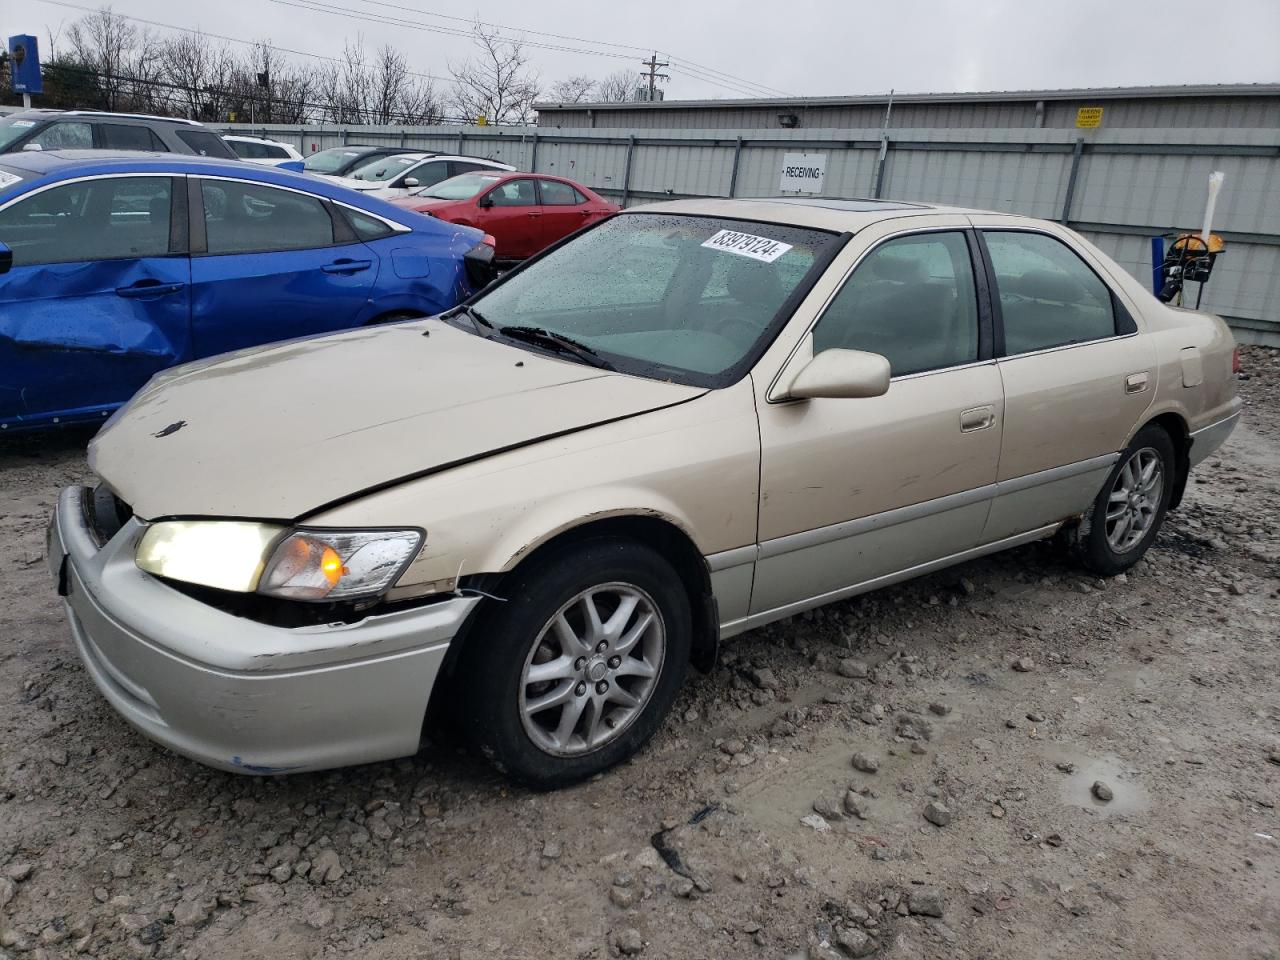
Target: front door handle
(148, 288)
(347, 266)
(977, 418)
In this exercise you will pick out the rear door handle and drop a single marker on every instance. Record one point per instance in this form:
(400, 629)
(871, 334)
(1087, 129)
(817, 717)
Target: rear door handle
(347, 266)
(977, 418)
(1136, 382)
(148, 288)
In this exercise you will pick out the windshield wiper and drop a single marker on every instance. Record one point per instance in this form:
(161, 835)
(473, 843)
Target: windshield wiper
(558, 342)
(471, 313)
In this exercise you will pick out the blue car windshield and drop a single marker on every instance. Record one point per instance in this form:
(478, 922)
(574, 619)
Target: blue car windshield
(685, 298)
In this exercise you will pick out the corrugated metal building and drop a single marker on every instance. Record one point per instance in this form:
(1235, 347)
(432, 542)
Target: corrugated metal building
(1217, 105)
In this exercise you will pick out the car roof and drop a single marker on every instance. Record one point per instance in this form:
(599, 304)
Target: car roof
(47, 113)
(824, 213)
(46, 166)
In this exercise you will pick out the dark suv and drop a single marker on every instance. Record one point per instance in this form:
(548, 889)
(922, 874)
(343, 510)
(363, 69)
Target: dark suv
(94, 130)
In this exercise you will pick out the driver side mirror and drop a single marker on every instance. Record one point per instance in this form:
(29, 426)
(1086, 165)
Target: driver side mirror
(485, 201)
(841, 374)
(6, 258)
(410, 182)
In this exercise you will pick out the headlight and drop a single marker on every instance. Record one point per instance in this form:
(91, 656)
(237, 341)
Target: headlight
(338, 564)
(226, 554)
(270, 559)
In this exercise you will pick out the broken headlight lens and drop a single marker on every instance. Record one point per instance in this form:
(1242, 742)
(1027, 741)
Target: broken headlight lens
(338, 564)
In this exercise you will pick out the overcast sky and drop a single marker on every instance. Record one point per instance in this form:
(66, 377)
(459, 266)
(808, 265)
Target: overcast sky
(798, 47)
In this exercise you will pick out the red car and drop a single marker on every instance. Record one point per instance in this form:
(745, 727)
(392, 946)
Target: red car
(523, 212)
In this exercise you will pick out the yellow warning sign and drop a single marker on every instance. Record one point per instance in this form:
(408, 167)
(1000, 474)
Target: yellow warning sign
(1089, 117)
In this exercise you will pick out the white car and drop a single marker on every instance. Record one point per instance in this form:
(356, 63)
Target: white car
(405, 173)
(269, 153)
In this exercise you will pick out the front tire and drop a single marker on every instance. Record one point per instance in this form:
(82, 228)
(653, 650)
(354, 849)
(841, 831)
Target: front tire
(1129, 510)
(576, 671)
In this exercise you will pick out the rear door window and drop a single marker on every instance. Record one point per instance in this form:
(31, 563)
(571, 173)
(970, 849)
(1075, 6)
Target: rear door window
(123, 136)
(557, 194)
(109, 218)
(252, 218)
(1049, 297)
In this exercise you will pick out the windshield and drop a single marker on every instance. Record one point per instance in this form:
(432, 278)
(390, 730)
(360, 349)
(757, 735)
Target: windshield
(463, 187)
(329, 161)
(691, 299)
(384, 168)
(10, 178)
(13, 129)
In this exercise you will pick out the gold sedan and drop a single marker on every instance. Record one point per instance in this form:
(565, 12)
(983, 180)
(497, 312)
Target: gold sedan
(533, 512)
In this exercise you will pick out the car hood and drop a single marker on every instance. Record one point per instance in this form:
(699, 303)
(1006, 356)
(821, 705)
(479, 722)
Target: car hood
(276, 433)
(423, 204)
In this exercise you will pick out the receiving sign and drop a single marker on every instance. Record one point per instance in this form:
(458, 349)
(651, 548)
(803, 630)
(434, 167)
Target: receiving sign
(803, 172)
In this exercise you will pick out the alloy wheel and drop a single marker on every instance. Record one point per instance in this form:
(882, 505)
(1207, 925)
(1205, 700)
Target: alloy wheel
(1134, 500)
(592, 670)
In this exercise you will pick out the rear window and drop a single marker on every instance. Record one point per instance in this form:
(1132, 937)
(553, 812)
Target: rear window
(206, 144)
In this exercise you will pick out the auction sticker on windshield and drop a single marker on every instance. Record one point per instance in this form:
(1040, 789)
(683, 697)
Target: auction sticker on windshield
(747, 245)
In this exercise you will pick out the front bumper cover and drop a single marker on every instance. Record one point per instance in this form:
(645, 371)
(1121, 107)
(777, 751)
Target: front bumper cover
(234, 693)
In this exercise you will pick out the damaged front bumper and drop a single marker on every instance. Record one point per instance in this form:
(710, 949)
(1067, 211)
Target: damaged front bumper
(234, 693)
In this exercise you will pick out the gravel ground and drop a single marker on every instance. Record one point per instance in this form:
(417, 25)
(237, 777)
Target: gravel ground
(920, 772)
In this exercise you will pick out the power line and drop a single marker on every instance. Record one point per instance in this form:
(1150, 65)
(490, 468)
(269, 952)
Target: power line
(696, 71)
(683, 62)
(318, 6)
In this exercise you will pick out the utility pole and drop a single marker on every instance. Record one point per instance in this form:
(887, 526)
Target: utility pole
(653, 64)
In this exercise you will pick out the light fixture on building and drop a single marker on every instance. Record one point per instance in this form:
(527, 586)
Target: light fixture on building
(788, 120)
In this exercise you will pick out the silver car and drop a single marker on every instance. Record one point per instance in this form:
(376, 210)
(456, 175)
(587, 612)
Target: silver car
(534, 512)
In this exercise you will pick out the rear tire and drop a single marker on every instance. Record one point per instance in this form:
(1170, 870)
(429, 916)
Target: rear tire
(577, 670)
(1127, 514)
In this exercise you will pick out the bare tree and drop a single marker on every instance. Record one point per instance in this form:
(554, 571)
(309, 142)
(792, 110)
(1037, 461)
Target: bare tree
(197, 72)
(618, 87)
(396, 96)
(496, 83)
(572, 90)
(115, 49)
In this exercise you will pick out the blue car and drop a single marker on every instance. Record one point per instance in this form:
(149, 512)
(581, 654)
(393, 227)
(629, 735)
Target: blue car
(116, 266)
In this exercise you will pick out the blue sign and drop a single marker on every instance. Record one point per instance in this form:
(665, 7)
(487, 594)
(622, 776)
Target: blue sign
(24, 64)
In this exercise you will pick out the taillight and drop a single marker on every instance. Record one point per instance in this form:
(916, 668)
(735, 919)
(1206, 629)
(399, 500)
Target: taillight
(1235, 360)
(490, 240)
